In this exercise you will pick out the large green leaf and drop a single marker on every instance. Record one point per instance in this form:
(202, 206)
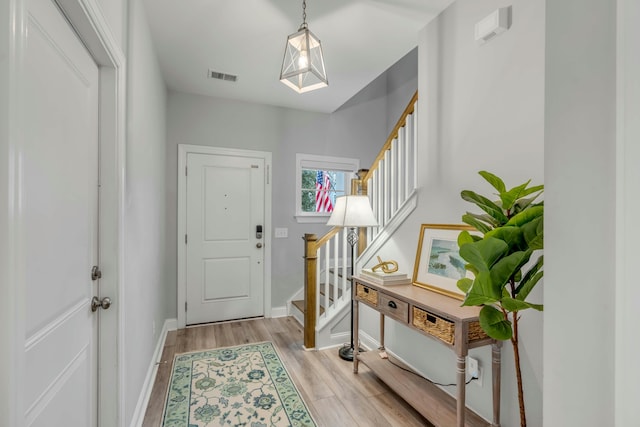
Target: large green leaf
(512, 236)
(496, 182)
(478, 225)
(531, 190)
(530, 280)
(472, 269)
(522, 204)
(508, 266)
(492, 321)
(486, 205)
(484, 253)
(488, 219)
(512, 305)
(482, 290)
(509, 197)
(526, 216)
(464, 237)
(464, 284)
(533, 232)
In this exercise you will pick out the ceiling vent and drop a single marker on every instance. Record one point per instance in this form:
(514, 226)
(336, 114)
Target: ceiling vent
(222, 76)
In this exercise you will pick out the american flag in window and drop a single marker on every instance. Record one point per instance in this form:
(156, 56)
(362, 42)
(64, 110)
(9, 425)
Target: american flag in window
(320, 188)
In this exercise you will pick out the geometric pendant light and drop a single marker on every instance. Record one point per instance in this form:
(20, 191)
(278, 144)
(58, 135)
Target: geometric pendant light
(303, 64)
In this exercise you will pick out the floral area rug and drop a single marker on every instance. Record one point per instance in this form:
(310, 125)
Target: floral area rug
(245, 385)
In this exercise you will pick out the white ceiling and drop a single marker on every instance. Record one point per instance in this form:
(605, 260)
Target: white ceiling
(360, 40)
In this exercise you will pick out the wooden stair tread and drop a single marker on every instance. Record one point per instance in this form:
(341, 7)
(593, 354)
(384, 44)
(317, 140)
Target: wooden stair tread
(299, 304)
(431, 401)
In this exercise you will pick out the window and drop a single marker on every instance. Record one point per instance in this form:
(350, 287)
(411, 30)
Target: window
(319, 181)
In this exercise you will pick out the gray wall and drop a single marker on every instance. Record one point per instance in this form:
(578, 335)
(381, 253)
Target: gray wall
(580, 167)
(145, 287)
(201, 120)
(481, 108)
(357, 129)
(627, 371)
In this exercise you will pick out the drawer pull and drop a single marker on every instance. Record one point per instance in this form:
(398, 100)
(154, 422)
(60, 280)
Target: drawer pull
(392, 304)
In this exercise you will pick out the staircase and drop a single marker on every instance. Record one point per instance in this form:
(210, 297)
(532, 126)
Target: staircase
(390, 184)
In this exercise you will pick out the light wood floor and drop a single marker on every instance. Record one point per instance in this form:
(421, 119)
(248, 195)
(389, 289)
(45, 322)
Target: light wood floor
(335, 396)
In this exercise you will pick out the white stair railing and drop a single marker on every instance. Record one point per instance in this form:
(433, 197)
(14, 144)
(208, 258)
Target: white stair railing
(393, 178)
(390, 183)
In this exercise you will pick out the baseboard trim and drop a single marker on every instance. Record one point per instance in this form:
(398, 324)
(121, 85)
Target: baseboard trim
(337, 340)
(145, 393)
(279, 311)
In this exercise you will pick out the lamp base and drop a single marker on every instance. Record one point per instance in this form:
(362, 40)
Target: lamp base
(346, 353)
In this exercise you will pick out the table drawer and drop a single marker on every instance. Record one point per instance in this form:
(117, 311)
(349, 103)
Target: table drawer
(367, 294)
(393, 308)
(434, 325)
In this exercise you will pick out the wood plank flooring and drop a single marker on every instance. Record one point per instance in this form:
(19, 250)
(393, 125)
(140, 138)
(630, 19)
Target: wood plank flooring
(336, 397)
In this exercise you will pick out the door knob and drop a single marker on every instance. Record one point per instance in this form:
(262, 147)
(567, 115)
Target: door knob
(96, 303)
(258, 245)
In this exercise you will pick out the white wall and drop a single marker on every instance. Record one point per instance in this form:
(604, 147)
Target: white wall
(481, 108)
(580, 252)
(146, 289)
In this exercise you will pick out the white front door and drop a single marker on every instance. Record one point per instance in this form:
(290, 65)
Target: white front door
(225, 262)
(59, 173)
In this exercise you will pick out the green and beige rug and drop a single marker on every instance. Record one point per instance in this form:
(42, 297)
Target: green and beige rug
(246, 385)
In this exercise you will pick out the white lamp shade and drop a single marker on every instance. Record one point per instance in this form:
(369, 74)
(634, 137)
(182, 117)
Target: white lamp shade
(352, 211)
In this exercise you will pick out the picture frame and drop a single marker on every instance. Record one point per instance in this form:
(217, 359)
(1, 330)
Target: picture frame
(438, 265)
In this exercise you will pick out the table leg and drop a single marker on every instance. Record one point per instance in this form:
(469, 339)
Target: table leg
(381, 331)
(495, 374)
(462, 388)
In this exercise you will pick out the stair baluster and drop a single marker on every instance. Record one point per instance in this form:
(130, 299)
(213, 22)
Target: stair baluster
(390, 183)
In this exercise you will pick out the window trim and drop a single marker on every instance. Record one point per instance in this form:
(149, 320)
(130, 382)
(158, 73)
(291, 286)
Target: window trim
(318, 162)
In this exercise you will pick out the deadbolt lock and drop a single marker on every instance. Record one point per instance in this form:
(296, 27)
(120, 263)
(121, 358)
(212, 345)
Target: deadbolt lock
(95, 273)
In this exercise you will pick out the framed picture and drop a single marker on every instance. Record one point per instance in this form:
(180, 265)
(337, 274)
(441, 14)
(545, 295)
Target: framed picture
(439, 265)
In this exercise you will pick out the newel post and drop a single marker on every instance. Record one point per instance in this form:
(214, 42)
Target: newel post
(310, 287)
(359, 187)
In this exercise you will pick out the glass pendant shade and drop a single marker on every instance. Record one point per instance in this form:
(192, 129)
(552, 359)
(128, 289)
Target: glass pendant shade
(303, 64)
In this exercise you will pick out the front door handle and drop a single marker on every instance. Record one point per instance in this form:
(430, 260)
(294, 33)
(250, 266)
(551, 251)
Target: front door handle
(258, 245)
(103, 303)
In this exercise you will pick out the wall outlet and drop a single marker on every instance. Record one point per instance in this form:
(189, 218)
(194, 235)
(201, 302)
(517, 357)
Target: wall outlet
(473, 369)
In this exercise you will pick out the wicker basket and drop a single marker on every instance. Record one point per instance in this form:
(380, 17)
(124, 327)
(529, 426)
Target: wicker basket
(434, 325)
(367, 294)
(476, 332)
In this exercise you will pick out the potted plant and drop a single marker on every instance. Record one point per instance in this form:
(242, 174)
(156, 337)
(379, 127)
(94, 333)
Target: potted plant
(502, 260)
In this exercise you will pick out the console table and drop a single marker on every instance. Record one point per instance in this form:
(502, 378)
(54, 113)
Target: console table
(438, 317)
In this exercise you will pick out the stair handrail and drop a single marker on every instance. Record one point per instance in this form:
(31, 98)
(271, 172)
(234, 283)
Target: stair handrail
(393, 135)
(313, 243)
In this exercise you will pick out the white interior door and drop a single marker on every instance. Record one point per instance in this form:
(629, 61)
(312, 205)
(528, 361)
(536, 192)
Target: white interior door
(59, 172)
(224, 254)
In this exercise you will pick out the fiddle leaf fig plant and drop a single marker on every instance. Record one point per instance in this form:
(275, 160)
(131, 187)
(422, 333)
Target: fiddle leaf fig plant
(505, 261)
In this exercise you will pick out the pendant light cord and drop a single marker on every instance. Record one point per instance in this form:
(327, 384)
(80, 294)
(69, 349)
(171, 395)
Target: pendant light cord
(304, 26)
(304, 12)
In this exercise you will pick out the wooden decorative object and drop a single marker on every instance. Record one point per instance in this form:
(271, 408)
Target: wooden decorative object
(384, 266)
